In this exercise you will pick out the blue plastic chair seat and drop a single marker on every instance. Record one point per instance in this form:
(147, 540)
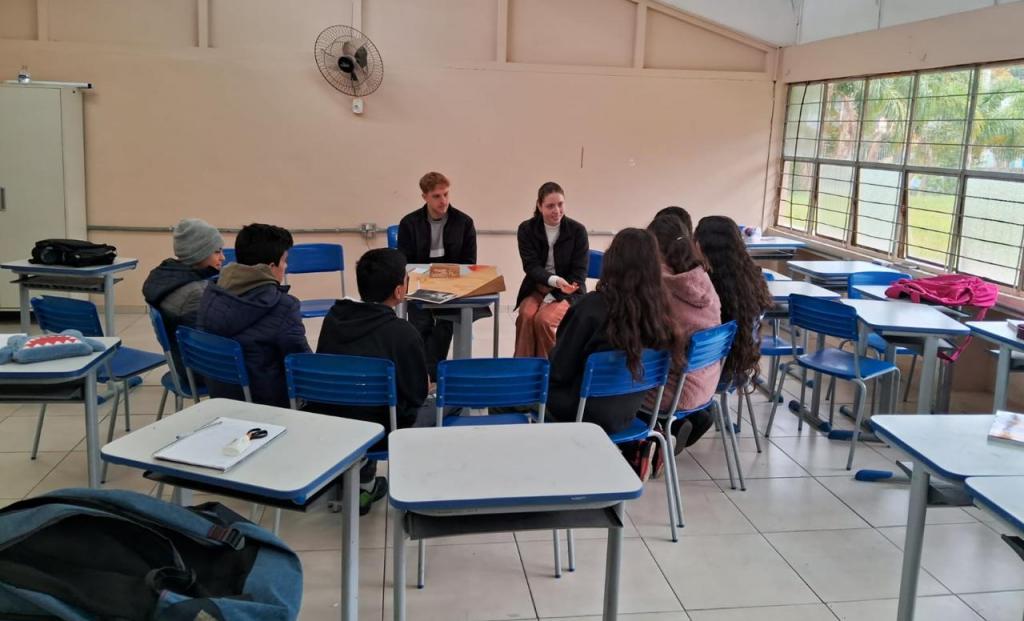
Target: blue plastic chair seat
(511, 418)
(186, 391)
(841, 364)
(879, 344)
(637, 430)
(775, 346)
(128, 361)
(316, 308)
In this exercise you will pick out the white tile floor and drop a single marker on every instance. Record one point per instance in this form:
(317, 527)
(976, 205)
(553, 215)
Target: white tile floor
(805, 542)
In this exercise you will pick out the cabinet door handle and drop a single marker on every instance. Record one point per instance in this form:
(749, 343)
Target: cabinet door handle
(3, 198)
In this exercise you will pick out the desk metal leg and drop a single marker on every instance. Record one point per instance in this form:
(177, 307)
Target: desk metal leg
(350, 544)
(398, 549)
(464, 334)
(497, 318)
(108, 304)
(183, 497)
(926, 391)
(913, 543)
(1002, 379)
(92, 430)
(611, 570)
(24, 317)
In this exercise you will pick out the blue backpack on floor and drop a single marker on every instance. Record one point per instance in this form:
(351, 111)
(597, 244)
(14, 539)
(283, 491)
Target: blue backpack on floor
(84, 555)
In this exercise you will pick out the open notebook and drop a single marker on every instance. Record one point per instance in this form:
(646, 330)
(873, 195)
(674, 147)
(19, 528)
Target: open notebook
(204, 447)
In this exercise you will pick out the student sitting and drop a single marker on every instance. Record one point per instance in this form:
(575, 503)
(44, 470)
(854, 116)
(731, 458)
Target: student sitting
(694, 306)
(175, 286)
(741, 289)
(629, 312)
(555, 253)
(250, 305)
(371, 328)
(437, 232)
(682, 214)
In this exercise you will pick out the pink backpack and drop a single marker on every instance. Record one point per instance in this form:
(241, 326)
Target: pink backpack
(948, 290)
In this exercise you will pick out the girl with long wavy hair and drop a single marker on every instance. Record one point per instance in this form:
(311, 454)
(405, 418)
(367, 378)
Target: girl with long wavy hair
(628, 311)
(741, 289)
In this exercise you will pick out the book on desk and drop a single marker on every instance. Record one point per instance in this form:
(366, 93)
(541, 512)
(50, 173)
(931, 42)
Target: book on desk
(1007, 427)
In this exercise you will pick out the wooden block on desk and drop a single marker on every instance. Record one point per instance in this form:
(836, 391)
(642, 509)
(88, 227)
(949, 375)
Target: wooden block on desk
(444, 270)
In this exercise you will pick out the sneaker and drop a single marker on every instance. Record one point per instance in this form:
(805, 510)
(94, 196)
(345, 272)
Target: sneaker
(641, 461)
(368, 497)
(683, 430)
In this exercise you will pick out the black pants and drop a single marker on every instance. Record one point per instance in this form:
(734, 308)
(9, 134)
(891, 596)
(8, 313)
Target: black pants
(437, 332)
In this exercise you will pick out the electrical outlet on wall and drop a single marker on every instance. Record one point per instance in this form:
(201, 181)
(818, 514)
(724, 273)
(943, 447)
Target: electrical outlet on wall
(369, 229)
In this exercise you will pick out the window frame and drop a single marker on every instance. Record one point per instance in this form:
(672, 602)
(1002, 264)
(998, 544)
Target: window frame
(899, 248)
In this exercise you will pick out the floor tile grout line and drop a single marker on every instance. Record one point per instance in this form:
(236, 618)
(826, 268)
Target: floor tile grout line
(526, 576)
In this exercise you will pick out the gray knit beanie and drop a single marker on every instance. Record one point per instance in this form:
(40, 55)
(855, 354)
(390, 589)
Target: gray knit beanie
(194, 240)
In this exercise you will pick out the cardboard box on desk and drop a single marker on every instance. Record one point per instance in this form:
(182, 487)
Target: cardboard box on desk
(471, 282)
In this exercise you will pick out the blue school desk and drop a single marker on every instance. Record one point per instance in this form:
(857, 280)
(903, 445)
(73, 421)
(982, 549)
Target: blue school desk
(92, 279)
(67, 380)
(288, 472)
(951, 448)
(833, 274)
(461, 480)
(906, 319)
(1000, 333)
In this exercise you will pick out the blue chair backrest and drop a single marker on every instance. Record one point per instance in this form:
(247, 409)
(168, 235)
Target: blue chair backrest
(709, 346)
(823, 316)
(229, 257)
(58, 314)
(767, 276)
(341, 380)
(215, 357)
(870, 278)
(594, 267)
(393, 236)
(310, 258)
(492, 382)
(606, 373)
(159, 329)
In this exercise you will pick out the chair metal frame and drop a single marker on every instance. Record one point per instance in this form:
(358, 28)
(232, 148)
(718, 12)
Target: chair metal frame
(830, 318)
(55, 314)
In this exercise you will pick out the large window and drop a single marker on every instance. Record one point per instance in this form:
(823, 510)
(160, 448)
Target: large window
(927, 166)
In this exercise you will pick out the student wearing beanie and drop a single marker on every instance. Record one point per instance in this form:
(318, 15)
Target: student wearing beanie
(175, 286)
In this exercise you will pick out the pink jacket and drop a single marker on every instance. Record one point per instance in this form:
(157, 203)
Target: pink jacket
(695, 306)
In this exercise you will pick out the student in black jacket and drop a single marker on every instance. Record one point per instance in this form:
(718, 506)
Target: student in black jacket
(555, 252)
(371, 328)
(437, 232)
(628, 311)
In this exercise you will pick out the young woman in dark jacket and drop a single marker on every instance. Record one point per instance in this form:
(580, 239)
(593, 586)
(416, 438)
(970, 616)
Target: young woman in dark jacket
(555, 252)
(629, 311)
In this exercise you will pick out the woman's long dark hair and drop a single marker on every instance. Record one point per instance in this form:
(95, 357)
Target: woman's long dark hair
(675, 244)
(740, 286)
(638, 311)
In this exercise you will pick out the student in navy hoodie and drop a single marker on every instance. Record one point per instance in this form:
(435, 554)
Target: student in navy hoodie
(371, 328)
(250, 305)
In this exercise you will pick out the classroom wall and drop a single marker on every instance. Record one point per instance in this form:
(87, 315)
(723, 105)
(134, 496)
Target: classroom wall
(214, 108)
(985, 35)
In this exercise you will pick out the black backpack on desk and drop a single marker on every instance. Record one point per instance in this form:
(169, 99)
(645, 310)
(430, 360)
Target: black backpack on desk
(72, 253)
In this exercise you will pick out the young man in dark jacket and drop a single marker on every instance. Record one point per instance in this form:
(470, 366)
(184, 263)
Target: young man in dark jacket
(436, 233)
(176, 286)
(250, 305)
(371, 328)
